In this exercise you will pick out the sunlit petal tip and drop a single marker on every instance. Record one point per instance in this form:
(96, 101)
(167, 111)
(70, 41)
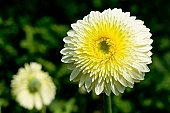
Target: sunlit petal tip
(99, 89)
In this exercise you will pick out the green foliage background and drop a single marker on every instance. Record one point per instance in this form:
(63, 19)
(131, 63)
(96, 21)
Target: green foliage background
(32, 30)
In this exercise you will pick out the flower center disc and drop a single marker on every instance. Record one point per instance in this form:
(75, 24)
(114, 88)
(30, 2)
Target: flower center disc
(34, 85)
(104, 47)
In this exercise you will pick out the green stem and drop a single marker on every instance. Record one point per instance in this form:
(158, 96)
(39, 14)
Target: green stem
(0, 108)
(107, 104)
(43, 110)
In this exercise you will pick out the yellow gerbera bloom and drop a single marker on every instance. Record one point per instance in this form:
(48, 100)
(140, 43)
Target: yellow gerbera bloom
(107, 51)
(32, 87)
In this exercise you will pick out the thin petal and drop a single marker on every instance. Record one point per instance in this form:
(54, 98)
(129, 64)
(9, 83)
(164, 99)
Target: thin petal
(119, 86)
(37, 101)
(65, 51)
(99, 88)
(82, 80)
(128, 77)
(26, 102)
(71, 66)
(74, 74)
(114, 90)
(67, 39)
(67, 59)
(88, 82)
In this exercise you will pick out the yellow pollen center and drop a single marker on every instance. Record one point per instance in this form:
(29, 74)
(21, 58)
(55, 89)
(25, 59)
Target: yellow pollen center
(104, 47)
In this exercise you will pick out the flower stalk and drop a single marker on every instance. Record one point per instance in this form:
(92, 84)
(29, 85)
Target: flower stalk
(43, 110)
(107, 104)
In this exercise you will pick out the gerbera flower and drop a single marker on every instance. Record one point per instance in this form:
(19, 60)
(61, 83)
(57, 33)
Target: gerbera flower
(32, 87)
(108, 51)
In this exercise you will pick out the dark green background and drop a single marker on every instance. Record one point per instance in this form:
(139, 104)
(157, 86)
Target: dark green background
(32, 30)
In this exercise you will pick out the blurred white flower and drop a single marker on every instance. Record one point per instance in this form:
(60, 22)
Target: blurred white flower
(33, 87)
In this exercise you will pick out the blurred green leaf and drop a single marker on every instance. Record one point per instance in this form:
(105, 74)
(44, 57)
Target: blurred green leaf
(61, 106)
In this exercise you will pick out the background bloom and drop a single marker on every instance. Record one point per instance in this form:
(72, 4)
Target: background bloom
(107, 51)
(32, 87)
